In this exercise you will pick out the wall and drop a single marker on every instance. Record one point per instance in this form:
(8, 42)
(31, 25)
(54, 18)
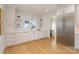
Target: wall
(9, 22)
(2, 42)
(9, 19)
(77, 27)
(15, 36)
(23, 17)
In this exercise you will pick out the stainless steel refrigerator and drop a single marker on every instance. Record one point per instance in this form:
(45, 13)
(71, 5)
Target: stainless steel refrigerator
(65, 29)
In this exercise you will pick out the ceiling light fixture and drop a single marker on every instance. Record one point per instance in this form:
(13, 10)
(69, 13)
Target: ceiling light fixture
(46, 10)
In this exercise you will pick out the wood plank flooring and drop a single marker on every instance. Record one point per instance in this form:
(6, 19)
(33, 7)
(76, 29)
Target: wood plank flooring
(42, 46)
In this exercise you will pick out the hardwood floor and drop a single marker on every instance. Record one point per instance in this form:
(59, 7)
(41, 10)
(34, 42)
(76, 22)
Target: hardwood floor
(42, 46)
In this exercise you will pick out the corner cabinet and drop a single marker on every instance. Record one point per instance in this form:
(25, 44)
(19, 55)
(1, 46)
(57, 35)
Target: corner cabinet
(1, 21)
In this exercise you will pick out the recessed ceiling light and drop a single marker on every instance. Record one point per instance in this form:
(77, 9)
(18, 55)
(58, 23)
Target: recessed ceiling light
(46, 10)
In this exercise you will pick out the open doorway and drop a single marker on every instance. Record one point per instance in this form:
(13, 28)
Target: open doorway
(53, 31)
(53, 27)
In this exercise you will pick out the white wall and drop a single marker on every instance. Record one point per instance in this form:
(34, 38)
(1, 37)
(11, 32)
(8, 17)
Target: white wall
(23, 17)
(9, 19)
(9, 22)
(15, 36)
(46, 27)
(77, 27)
(2, 42)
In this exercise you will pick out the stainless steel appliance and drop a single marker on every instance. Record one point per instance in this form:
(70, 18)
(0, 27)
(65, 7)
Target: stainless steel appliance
(65, 29)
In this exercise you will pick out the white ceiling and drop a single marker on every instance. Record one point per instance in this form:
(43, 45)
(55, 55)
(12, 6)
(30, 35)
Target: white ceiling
(38, 9)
